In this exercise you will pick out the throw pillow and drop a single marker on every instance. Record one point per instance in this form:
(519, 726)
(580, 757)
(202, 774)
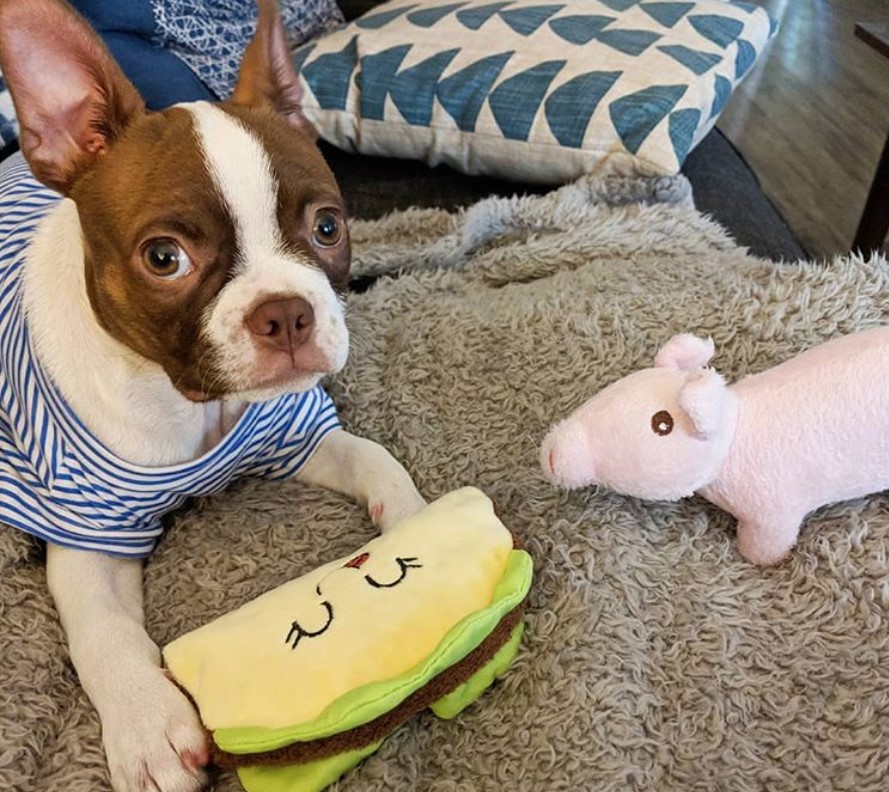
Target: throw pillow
(532, 90)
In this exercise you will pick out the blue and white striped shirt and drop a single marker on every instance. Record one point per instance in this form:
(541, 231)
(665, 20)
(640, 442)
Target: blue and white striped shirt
(57, 481)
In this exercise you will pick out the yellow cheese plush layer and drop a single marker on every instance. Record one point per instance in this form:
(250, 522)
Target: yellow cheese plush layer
(282, 658)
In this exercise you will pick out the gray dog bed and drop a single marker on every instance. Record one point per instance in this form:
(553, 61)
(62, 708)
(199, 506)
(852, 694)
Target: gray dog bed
(655, 658)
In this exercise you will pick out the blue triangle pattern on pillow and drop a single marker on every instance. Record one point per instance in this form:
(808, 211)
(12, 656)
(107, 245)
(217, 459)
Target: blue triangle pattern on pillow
(376, 75)
(579, 29)
(722, 90)
(632, 42)
(463, 93)
(515, 102)
(427, 17)
(645, 121)
(299, 58)
(376, 21)
(682, 127)
(413, 90)
(694, 60)
(474, 18)
(637, 114)
(668, 14)
(528, 19)
(744, 59)
(619, 5)
(721, 30)
(571, 106)
(329, 75)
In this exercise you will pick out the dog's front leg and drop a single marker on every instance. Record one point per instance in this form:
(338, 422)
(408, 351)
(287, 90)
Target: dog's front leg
(367, 472)
(153, 738)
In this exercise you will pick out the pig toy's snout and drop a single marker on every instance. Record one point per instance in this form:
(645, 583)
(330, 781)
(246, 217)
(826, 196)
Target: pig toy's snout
(566, 457)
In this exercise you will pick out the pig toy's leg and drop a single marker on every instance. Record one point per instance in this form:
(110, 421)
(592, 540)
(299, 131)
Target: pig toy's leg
(768, 540)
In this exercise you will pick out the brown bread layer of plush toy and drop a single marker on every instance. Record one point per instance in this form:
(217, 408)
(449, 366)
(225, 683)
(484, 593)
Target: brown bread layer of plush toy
(375, 730)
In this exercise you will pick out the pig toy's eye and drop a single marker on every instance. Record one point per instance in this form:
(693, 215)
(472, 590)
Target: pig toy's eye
(662, 423)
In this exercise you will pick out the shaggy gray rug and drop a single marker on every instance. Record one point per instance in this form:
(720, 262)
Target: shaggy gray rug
(655, 658)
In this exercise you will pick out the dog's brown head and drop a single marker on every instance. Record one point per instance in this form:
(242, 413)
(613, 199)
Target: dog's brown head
(214, 236)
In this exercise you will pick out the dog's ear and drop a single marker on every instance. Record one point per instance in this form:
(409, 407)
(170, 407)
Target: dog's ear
(71, 98)
(267, 75)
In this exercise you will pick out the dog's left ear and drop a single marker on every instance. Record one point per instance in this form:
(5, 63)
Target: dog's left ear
(72, 99)
(267, 75)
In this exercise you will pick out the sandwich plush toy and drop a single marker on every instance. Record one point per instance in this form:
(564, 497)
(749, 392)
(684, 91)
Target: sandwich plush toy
(299, 685)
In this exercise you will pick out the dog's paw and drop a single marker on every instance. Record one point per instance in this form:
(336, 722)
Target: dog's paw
(154, 741)
(394, 503)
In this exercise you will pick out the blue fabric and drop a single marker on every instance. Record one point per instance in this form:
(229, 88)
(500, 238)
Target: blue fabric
(515, 101)
(699, 62)
(210, 36)
(427, 17)
(414, 91)
(526, 20)
(668, 14)
(130, 32)
(683, 124)
(580, 29)
(133, 16)
(57, 481)
(570, 107)
(329, 76)
(160, 76)
(464, 93)
(636, 114)
(474, 18)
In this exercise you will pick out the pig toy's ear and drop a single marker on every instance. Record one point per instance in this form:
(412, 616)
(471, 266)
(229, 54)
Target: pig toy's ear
(685, 352)
(704, 398)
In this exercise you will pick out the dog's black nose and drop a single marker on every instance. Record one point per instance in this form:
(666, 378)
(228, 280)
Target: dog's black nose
(283, 323)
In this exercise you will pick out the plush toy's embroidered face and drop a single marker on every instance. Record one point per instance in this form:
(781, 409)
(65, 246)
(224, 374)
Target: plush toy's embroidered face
(297, 629)
(282, 658)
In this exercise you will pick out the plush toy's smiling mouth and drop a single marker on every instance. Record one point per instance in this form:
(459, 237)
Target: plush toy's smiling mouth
(297, 632)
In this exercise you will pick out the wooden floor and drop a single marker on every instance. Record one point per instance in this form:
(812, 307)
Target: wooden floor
(812, 118)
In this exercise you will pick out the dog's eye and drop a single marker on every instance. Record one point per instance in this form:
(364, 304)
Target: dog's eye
(662, 423)
(328, 230)
(165, 259)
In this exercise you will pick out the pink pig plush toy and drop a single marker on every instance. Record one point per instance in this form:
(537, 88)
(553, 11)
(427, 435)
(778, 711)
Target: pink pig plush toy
(768, 449)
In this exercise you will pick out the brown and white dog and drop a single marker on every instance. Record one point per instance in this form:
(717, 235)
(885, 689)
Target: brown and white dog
(195, 267)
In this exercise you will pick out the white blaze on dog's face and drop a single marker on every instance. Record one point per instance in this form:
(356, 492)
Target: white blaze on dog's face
(277, 323)
(214, 236)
